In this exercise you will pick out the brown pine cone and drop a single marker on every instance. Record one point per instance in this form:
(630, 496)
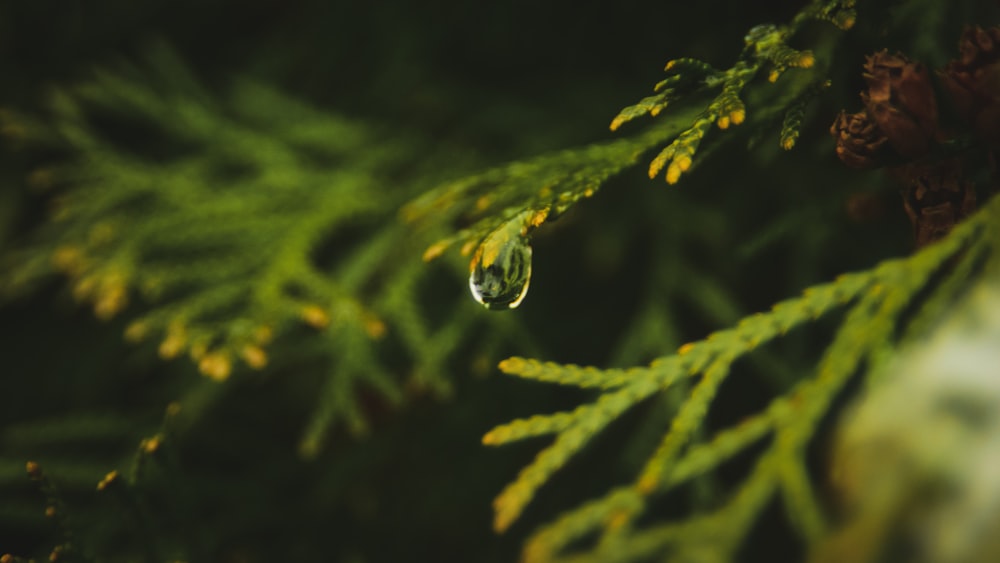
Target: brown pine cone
(973, 80)
(900, 99)
(860, 143)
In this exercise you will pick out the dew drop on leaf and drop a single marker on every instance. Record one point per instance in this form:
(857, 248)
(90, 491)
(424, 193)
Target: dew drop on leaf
(501, 267)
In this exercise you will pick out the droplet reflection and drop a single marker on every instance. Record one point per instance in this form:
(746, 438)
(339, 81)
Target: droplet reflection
(501, 267)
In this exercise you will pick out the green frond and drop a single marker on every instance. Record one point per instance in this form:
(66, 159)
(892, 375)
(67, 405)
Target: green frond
(574, 525)
(337, 402)
(796, 113)
(504, 205)
(677, 156)
(974, 262)
(877, 298)
(765, 47)
(529, 192)
(685, 422)
(689, 67)
(651, 105)
(565, 374)
(631, 386)
(688, 77)
(840, 13)
(221, 238)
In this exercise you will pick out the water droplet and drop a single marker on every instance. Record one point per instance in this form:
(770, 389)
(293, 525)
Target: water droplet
(501, 266)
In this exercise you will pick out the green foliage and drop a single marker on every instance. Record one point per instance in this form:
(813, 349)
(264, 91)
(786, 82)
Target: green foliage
(877, 298)
(795, 114)
(225, 240)
(877, 314)
(523, 195)
(268, 239)
(766, 47)
(539, 189)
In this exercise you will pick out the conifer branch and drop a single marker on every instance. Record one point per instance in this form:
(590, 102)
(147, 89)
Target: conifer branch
(504, 205)
(565, 374)
(878, 298)
(541, 188)
(214, 213)
(765, 48)
(795, 114)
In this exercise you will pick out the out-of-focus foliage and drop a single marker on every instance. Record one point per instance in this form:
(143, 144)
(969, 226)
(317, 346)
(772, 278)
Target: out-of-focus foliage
(923, 443)
(223, 225)
(225, 228)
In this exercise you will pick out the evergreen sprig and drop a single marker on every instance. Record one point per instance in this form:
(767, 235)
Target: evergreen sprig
(795, 114)
(878, 300)
(765, 48)
(541, 188)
